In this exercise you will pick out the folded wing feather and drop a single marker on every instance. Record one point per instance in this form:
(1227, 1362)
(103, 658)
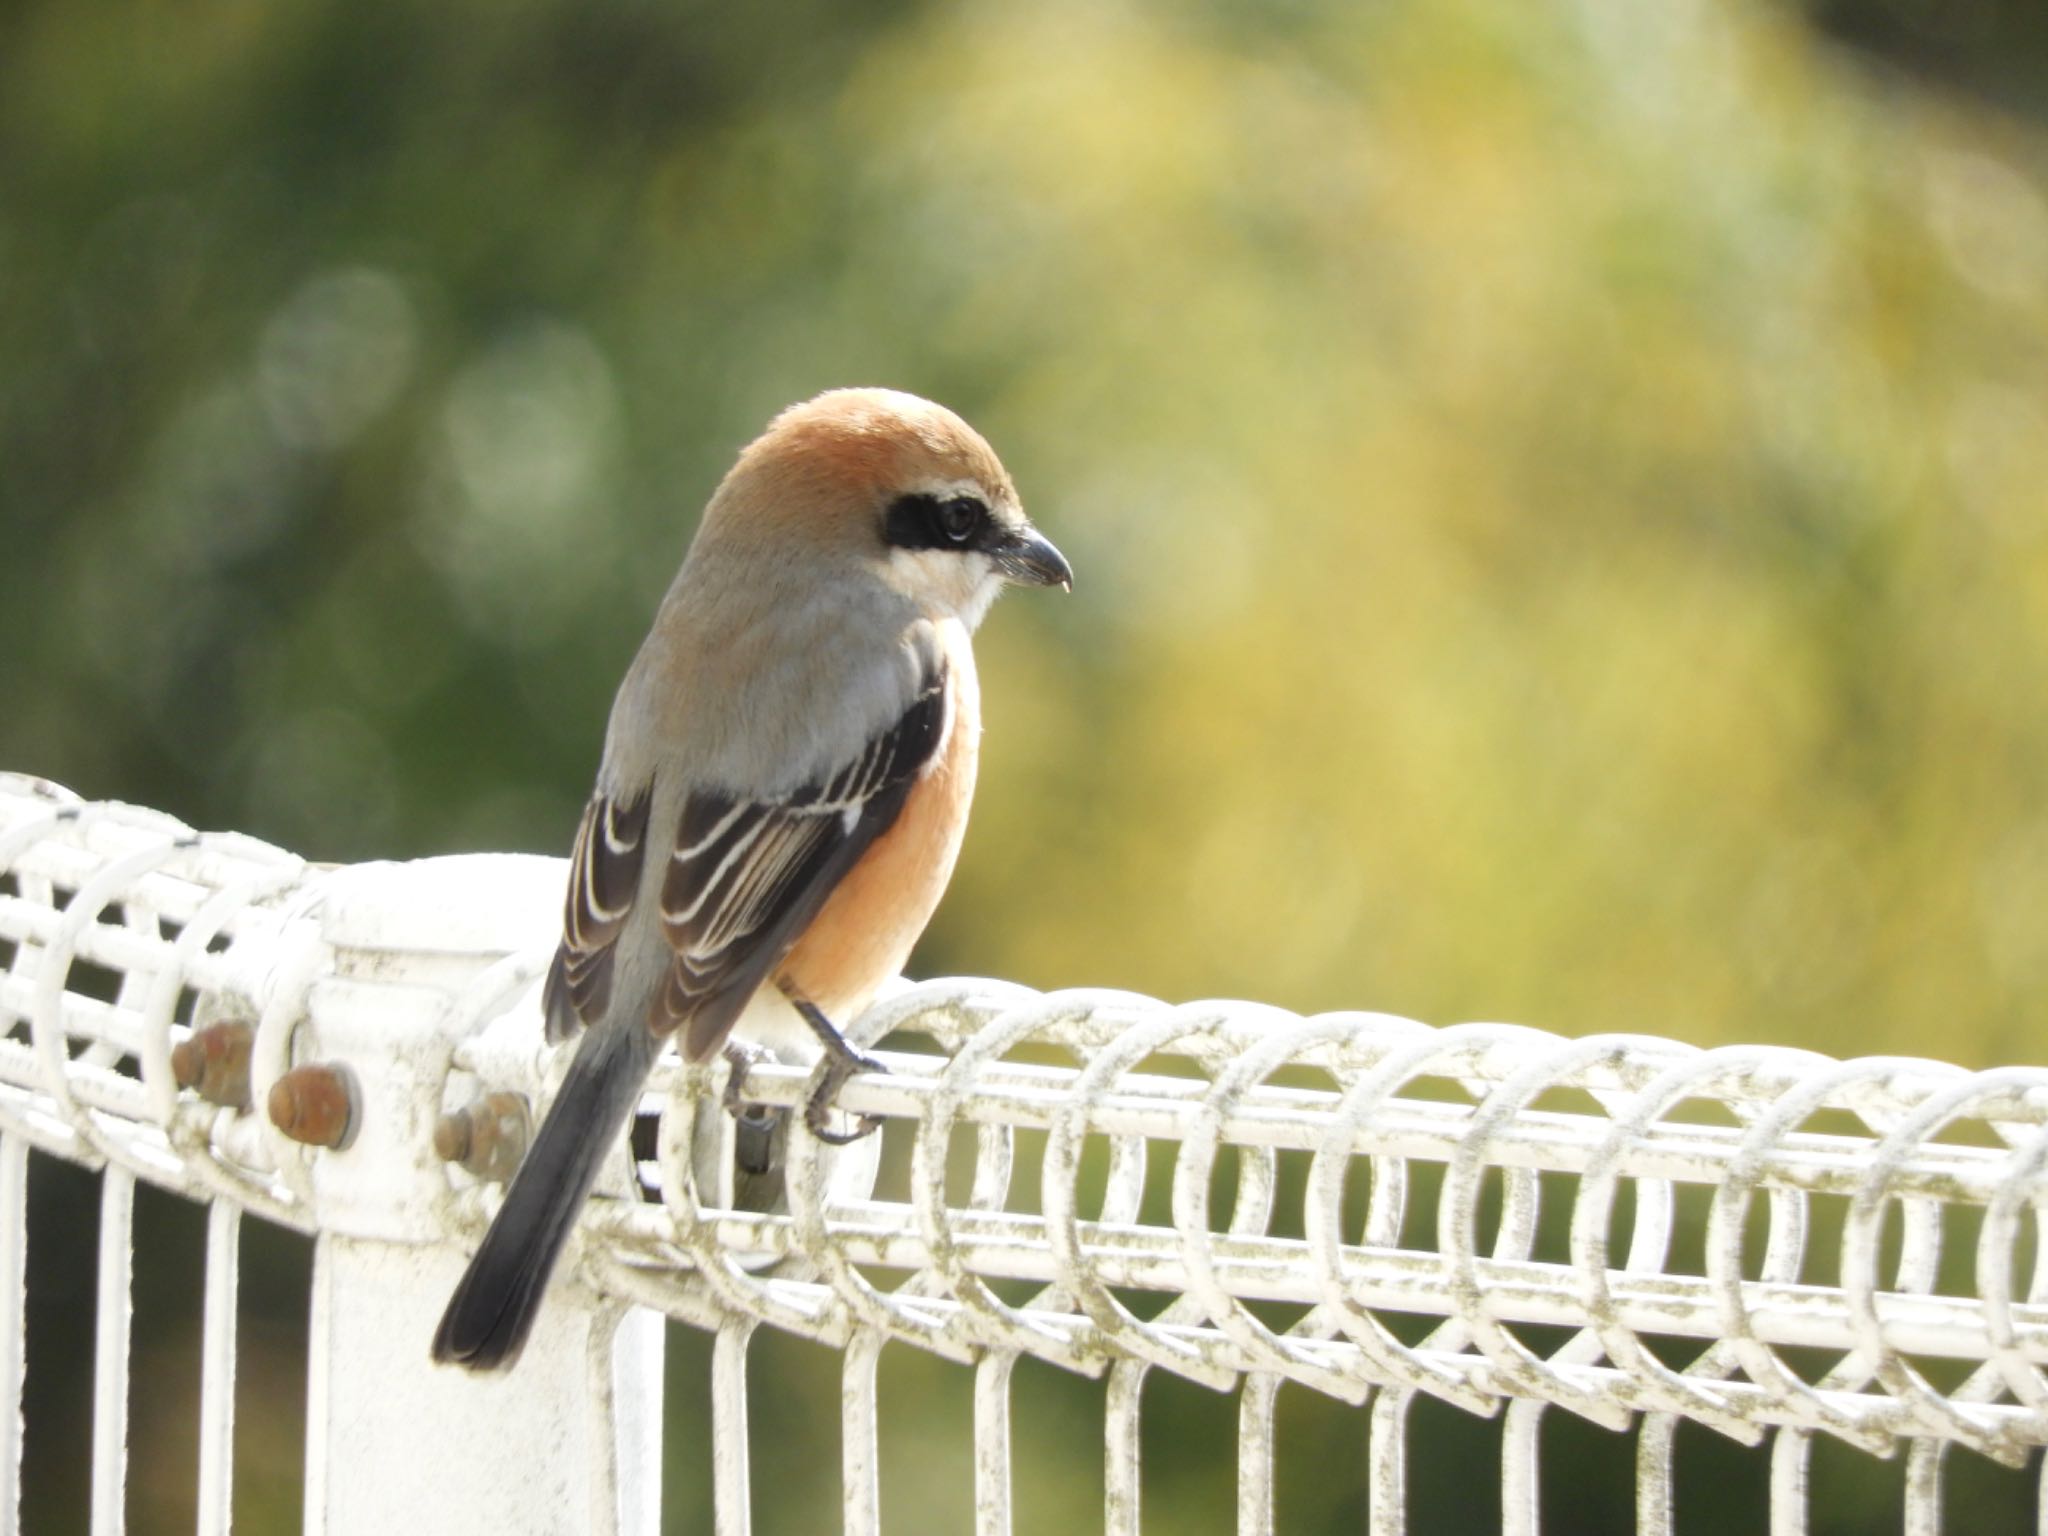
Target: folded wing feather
(743, 880)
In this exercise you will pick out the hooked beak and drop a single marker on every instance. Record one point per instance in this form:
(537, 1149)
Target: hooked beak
(1028, 557)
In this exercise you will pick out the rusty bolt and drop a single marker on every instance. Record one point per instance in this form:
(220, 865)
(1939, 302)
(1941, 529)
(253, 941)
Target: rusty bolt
(487, 1138)
(214, 1061)
(315, 1104)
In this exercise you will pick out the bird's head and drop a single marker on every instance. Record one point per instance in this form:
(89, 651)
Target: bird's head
(897, 485)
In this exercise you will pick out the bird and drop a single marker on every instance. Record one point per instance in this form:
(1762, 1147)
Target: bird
(784, 786)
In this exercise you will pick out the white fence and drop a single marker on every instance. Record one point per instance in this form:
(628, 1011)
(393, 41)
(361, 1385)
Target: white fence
(1351, 1203)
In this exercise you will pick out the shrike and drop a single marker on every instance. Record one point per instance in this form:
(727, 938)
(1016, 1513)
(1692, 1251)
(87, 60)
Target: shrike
(785, 782)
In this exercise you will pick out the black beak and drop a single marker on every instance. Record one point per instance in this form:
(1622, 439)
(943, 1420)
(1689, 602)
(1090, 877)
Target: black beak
(1028, 557)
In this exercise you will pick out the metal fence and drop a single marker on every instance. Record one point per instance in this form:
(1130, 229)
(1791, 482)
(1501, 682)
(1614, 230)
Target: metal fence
(1354, 1204)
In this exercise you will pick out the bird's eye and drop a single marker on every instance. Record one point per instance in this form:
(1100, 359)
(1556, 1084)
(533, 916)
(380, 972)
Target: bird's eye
(959, 518)
(923, 521)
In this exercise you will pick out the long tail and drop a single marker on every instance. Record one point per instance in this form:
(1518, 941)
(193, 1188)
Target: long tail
(493, 1308)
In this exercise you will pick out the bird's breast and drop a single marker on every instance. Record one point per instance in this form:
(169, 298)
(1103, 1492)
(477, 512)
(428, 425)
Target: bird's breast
(867, 927)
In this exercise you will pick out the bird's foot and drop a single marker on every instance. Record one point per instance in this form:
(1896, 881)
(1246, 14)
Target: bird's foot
(754, 1125)
(842, 1061)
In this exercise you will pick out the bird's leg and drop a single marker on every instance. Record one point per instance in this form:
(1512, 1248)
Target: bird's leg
(741, 1059)
(842, 1061)
(754, 1124)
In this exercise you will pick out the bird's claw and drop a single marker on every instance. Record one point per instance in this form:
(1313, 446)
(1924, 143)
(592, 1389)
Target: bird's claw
(741, 1058)
(754, 1124)
(842, 1061)
(818, 1108)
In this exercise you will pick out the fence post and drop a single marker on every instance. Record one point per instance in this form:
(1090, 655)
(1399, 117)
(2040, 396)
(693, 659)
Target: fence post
(570, 1439)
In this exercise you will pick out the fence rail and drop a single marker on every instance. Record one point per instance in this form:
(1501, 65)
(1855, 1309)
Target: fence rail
(1352, 1203)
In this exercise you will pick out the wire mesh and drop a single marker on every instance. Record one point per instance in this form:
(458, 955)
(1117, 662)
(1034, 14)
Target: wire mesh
(1631, 1231)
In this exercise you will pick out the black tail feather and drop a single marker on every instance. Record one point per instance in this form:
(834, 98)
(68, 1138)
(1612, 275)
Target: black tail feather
(494, 1305)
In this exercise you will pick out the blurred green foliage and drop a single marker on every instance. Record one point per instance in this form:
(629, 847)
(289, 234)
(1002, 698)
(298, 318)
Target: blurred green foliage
(1559, 490)
(1558, 495)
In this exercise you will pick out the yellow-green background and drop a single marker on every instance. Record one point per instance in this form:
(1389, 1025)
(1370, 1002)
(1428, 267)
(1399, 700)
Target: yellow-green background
(1559, 490)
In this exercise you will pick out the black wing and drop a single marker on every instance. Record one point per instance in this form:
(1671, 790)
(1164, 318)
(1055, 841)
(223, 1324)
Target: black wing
(604, 872)
(744, 879)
